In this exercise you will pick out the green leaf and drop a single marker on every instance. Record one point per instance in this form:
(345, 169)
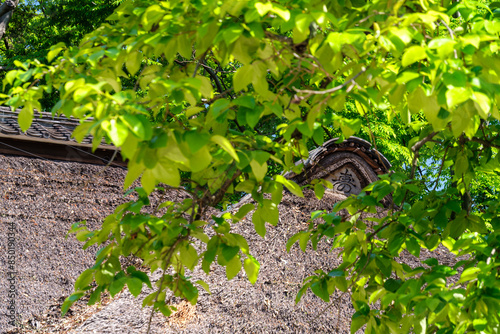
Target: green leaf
(320, 289)
(242, 78)
(482, 103)
(384, 264)
(480, 324)
(259, 170)
(244, 210)
(81, 131)
(196, 140)
(252, 116)
(420, 326)
(152, 15)
(392, 284)
(138, 124)
(469, 274)
(292, 186)
(193, 111)
(219, 106)
(357, 323)
(54, 51)
(304, 238)
(413, 246)
(292, 241)
(116, 130)
(210, 253)
(319, 136)
(228, 252)
(259, 223)
(70, 301)
(301, 292)
(457, 95)
(336, 273)
(252, 267)
(188, 256)
(134, 286)
(412, 55)
(245, 101)
(204, 285)
(301, 30)
(117, 285)
(270, 212)
(25, 117)
(461, 164)
(233, 267)
(226, 146)
(140, 275)
(460, 122)
(165, 171)
(184, 46)
(85, 279)
(148, 181)
(419, 101)
(340, 283)
(133, 62)
(319, 190)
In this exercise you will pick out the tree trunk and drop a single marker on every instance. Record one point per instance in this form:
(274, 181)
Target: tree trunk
(6, 10)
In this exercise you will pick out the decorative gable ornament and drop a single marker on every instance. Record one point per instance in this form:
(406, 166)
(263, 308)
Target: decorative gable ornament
(350, 165)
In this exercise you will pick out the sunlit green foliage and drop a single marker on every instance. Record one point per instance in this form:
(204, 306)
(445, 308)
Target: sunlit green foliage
(37, 25)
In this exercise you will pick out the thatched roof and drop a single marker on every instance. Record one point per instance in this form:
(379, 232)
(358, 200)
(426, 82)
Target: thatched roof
(268, 306)
(44, 198)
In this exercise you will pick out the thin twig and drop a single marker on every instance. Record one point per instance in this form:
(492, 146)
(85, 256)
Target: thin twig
(200, 62)
(214, 76)
(218, 96)
(485, 142)
(452, 34)
(415, 149)
(331, 90)
(440, 168)
(168, 257)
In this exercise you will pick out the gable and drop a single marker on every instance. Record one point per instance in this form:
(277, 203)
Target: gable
(349, 166)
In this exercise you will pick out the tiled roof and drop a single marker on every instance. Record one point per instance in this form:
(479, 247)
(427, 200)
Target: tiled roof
(46, 128)
(49, 137)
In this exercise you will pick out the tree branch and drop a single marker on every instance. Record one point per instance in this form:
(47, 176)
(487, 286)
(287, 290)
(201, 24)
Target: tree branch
(452, 35)
(418, 145)
(214, 76)
(6, 68)
(415, 149)
(485, 142)
(8, 6)
(441, 168)
(331, 90)
(168, 256)
(6, 10)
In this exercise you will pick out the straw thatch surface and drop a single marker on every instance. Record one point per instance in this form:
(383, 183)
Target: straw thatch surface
(237, 306)
(44, 198)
